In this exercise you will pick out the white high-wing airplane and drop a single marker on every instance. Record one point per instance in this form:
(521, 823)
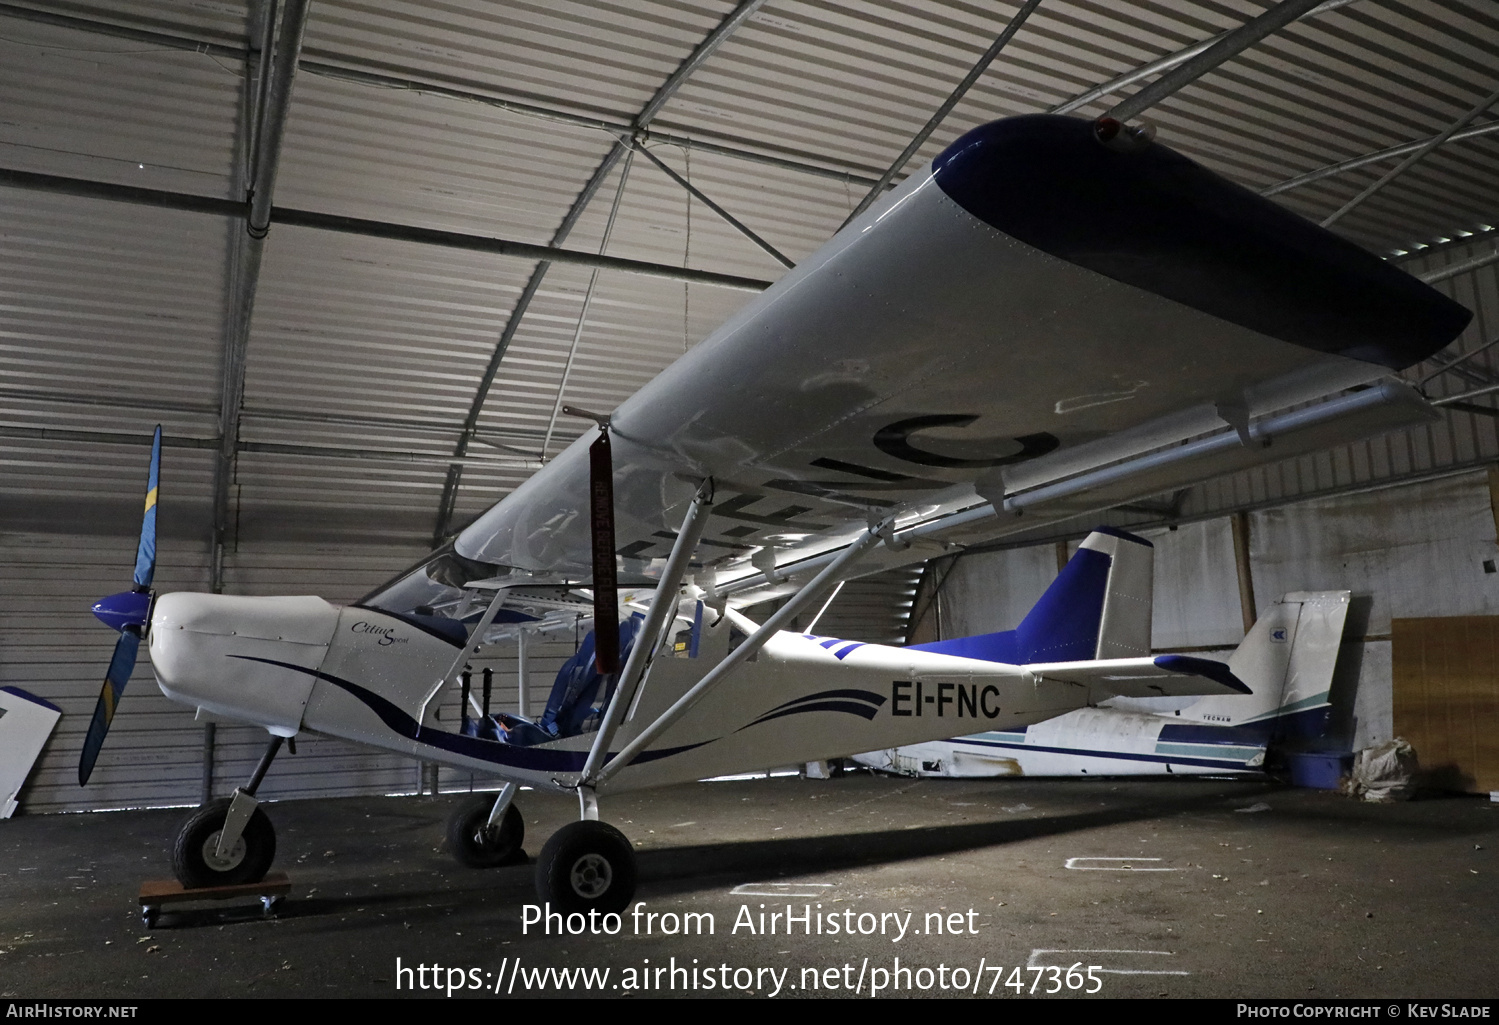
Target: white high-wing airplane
(1055, 316)
(1287, 660)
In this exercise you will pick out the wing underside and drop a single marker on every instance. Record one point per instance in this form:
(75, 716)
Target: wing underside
(925, 363)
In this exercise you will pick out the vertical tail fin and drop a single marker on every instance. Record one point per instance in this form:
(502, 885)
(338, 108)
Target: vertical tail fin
(1287, 659)
(1098, 607)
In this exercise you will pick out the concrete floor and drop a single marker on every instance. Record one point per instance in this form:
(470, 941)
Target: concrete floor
(1253, 891)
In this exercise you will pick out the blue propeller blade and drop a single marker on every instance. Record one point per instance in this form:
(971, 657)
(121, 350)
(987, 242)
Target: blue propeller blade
(145, 555)
(126, 613)
(121, 665)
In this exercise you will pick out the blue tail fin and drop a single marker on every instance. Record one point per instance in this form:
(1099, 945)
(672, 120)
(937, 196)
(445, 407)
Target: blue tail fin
(1098, 607)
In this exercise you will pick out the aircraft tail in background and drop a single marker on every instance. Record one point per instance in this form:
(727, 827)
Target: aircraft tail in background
(1097, 608)
(1287, 660)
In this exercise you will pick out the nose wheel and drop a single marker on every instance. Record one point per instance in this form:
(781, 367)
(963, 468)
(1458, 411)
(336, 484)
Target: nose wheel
(586, 866)
(197, 861)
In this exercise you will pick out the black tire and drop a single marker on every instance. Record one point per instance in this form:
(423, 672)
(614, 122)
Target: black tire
(586, 866)
(193, 860)
(478, 845)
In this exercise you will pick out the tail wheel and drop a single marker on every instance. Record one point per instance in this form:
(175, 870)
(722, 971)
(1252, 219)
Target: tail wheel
(195, 858)
(586, 866)
(477, 844)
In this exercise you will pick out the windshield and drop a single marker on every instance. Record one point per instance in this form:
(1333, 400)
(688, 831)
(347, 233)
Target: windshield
(433, 594)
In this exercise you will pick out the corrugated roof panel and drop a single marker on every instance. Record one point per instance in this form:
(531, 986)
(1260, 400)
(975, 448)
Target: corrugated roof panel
(113, 110)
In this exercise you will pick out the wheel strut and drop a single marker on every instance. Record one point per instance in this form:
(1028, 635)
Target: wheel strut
(243, 804)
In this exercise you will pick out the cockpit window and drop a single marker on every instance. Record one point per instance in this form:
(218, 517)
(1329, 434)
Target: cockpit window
(433, 594)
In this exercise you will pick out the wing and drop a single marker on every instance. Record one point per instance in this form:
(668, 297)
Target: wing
(1033, 308)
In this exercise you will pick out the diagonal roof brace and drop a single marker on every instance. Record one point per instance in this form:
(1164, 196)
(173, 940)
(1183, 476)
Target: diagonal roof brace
(667, 89)
(1225, 48)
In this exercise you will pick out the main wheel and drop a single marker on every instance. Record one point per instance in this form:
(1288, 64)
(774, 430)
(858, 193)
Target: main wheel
(195, 859)
(586, 866)
(477, 844)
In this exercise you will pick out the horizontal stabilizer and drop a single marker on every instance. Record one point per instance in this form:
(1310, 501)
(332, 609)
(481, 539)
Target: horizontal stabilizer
(1152, 677)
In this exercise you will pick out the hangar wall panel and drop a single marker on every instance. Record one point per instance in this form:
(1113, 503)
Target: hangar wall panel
(1196, 596)
(53, 647)
(1416, 550)
(995, 590)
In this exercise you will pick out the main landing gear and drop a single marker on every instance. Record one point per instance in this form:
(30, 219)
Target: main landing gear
(585, 866)
(229, 841)
(486, 832)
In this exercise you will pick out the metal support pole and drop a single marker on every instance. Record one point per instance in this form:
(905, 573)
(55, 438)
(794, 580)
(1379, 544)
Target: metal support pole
(1165, 63)
(246, 255)
(831, 598)
(1353, 163)
(475, 642)
(1410, 161)
(501, 804)
(941, 115)
(835, 571)
(710, 44)
(663, 608)
(593, 280)
(697, 194)
(1461, 268)
(1459, 361)
(522, 677)
(1227, 47)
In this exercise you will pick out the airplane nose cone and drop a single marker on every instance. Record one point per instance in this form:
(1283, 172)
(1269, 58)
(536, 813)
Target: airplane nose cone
(128, 608)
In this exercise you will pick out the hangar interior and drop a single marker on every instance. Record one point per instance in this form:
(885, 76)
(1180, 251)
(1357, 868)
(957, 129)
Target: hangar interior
(354, 387)
(356, 257)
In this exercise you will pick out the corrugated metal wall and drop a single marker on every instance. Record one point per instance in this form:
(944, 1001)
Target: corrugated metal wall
(1414, 550)
(53, 647)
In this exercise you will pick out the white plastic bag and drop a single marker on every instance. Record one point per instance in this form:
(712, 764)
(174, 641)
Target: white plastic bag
(1384, 772)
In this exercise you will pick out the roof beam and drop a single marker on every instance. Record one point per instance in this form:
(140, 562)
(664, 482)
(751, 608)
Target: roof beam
(698, 194)
(1144, 71)
(1353, 163)
(926, 130)
(92, 437)
(511, 248)
(1226, 47)
(1410, 161)
(1476, 262)
(340, 67)
(710, 44)
(1165, 63)
(270, 127)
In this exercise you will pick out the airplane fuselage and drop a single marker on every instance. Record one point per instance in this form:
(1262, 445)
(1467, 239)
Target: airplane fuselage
(299, 663)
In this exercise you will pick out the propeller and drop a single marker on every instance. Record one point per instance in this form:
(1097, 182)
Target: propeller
(128, 612)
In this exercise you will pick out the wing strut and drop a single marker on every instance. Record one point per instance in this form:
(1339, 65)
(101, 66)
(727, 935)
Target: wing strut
(834, 572)
(663, 609)
(468, 651)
